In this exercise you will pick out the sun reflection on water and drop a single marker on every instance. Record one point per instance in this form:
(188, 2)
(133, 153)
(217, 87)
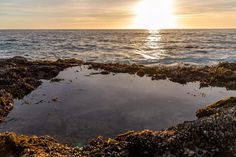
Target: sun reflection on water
(152, 46)
(153, 39)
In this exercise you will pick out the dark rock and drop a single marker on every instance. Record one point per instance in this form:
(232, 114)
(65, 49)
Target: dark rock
(19, 77)
(222, 75)
(57, 80)
(26, 146)
(141, 73)
(212, 135)
(18, 59)
(6, 104)
(216, 107)
(105, 72)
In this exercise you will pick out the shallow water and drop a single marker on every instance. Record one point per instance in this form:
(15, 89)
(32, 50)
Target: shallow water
(123, 46)
(83, 106)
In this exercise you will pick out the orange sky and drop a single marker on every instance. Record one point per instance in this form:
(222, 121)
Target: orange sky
(119, 14)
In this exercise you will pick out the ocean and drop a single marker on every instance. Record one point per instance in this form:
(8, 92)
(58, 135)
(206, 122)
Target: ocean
(199, 47)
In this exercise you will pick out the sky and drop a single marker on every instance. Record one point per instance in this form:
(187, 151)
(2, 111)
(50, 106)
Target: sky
(116, 14)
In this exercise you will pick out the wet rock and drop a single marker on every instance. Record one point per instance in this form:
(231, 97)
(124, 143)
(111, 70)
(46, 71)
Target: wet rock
(18, 59)
(26, 146)
(217, 107)
(105, 72)
(221, 75)
(54, 99)
(57, 80)
(211, 135)
(141, 73)
(6, 104)
(19, 77)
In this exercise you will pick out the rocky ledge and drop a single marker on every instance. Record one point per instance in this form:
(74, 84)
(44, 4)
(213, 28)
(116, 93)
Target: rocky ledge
(221, 75)
(18, 77)
(212, 134)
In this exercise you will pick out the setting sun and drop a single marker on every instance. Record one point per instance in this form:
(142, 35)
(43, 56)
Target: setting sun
(154, 14)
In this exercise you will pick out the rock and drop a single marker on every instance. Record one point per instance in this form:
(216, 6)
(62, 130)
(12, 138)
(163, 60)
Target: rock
(57, 80)
(222, 75)
(105, 72)
(216, 107)
(55, 99)
(18, 59)
(34, 146)
(211, 135)
(6, 104)
(141, 73)
(19, 77)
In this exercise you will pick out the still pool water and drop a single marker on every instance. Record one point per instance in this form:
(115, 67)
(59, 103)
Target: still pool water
(84, 105)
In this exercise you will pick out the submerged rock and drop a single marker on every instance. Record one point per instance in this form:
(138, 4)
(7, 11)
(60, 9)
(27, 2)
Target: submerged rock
(105, 72)
(57, 80)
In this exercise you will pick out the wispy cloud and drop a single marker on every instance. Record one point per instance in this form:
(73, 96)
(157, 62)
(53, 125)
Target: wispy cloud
(100, 13)
(205, 6)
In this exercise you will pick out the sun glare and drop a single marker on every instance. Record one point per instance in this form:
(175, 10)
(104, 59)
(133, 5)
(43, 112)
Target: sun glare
(154, 14)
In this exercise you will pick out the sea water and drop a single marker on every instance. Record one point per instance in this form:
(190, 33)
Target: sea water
(149, 47)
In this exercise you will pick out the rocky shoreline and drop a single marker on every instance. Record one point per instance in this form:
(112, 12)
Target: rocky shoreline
(19, 77)
(221, 75)
(212, 134)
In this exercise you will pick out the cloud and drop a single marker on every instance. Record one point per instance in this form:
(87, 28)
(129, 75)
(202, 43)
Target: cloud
(95, 13)
(66, 8)
(185, 7)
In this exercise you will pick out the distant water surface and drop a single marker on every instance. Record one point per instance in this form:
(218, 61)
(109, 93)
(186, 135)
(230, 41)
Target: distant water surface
(123, 46)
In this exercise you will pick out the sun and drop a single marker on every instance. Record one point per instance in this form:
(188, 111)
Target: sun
(154, 14)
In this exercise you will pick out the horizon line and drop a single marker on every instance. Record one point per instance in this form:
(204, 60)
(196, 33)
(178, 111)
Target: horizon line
(220, 28)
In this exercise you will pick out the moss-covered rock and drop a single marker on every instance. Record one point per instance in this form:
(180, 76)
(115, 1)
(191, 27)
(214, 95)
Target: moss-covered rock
(6, 104)
(26, 146)
(216, 108)
(19, 77)
(211, 135)
(221, 75)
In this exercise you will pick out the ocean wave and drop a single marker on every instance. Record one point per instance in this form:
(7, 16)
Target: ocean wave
(137, 46)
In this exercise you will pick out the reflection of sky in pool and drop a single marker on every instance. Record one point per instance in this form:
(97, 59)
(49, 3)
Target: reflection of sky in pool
(84, 106)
